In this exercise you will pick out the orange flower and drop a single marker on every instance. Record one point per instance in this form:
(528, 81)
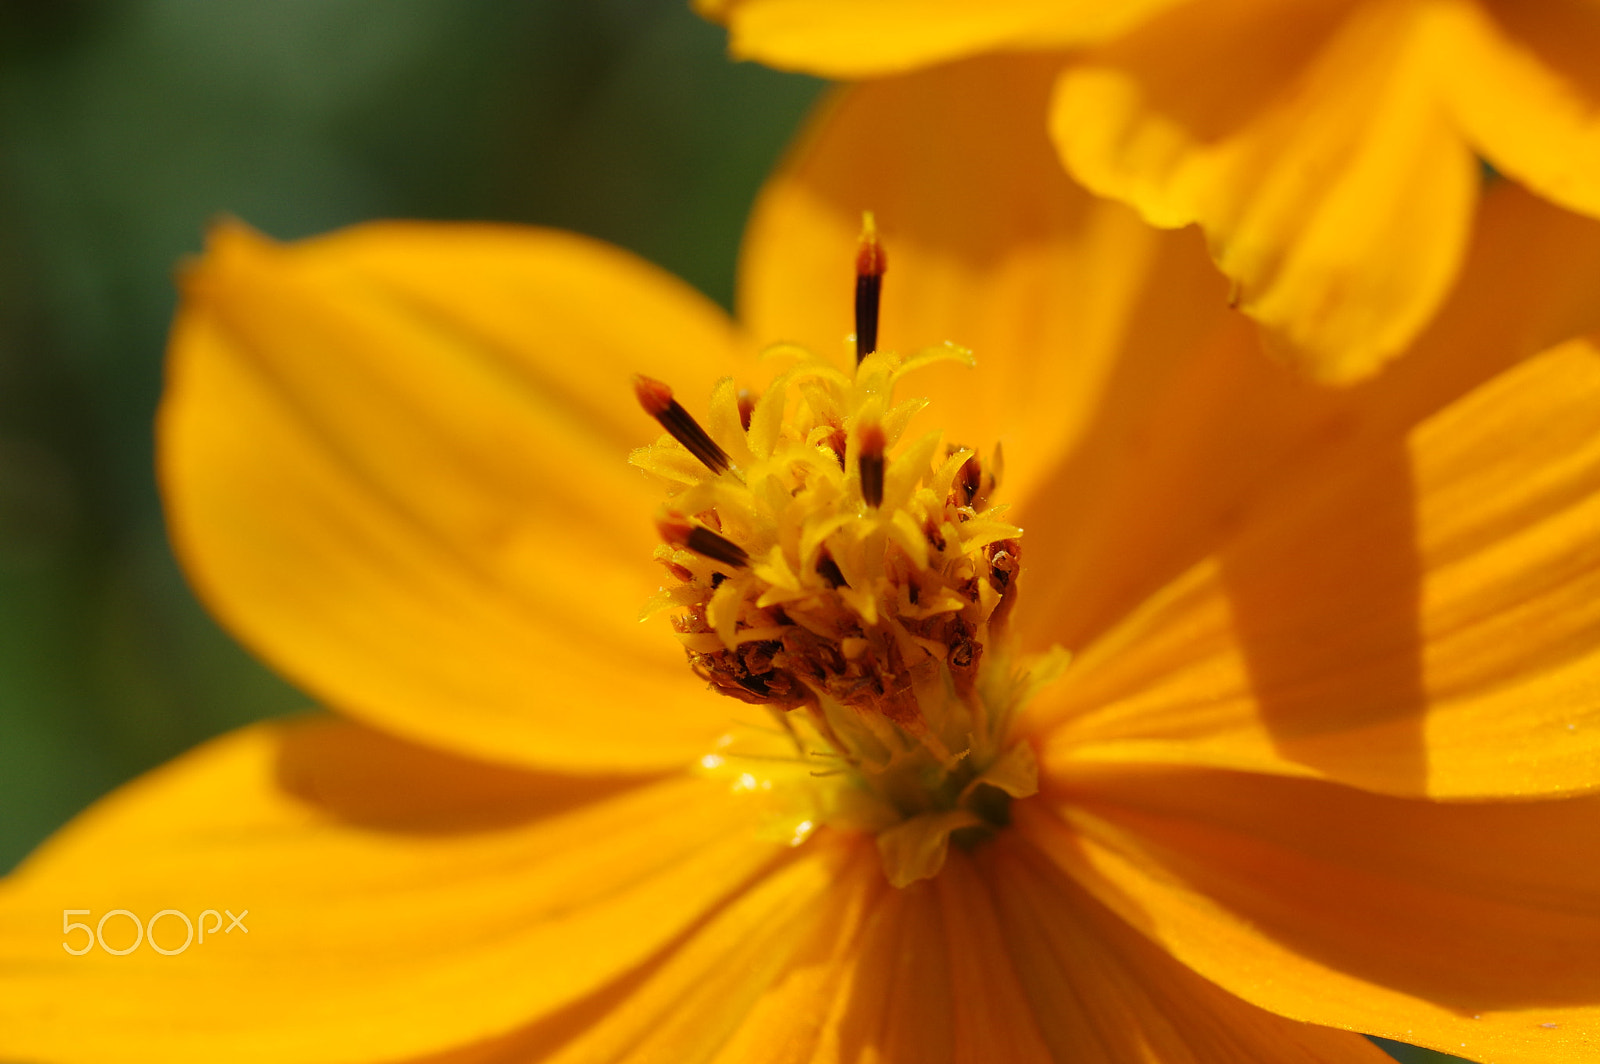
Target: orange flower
(1326, 147)
(1303, 621)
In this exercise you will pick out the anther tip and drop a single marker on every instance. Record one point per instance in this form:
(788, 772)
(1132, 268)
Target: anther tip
(678, 531)
(747, 407)
(674, 529)
(870, 264)
(870, 259)
(654, 396)
(871, 464)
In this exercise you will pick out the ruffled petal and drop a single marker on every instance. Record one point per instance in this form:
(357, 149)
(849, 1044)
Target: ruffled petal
(867, 38)
(1104, 995)
(1406, 608)
(1523, 84)
(1308, 142)
(382, 882)
(395, 464)
(1470, 928)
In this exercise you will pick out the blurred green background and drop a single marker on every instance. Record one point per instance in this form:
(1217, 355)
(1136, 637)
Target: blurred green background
(125, 125)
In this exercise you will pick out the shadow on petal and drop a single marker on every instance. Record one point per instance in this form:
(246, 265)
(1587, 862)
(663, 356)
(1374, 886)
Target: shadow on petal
(1327, 609)
(375, 780)
(1373, 910)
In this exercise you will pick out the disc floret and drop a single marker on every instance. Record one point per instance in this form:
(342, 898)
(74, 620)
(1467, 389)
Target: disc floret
(856, 579)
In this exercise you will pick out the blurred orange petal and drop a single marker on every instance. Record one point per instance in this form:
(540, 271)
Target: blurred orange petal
(1326, 148)
(394, 464)
(866, 38)
(1521, 81)
(1331, 185)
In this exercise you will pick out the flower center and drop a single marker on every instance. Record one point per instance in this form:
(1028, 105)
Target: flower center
(856, 580)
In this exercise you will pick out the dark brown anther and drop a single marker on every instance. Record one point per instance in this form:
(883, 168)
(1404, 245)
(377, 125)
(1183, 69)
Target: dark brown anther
(969, 480)
(680, 572)
(1005, 565)
(828, 569)
(681, 533)
(657, 400)
(747, 407)
(870, 264)
(1004, 561)
(871, 462)
(964, 654)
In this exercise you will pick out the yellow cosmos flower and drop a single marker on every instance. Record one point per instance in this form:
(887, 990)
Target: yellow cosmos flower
(1323, 760)
(1326, 147)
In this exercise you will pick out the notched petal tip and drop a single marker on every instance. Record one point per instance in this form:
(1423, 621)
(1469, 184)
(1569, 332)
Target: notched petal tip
(229, 235)
(230, 244)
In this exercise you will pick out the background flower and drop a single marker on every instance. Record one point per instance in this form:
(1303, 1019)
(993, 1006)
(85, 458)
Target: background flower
(1327, 149)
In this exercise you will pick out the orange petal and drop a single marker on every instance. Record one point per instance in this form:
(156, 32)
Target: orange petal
(1104, 995)
(384, 882)
(1522, 82)
(744, 985)
(993, 960)
(1470, 928)
(1407, 609)
(1310, 147)
(991, 1011)
(921, 975)
(395, 464)
(1414, 620)
(866, 38)
(846, 971)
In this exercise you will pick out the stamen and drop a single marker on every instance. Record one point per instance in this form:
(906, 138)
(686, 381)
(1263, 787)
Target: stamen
(872, 444)
(969, 479)
(747, 407)
(657, 400)
(828, 569)
(868, 614)
(870, 264)
(681, 532)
